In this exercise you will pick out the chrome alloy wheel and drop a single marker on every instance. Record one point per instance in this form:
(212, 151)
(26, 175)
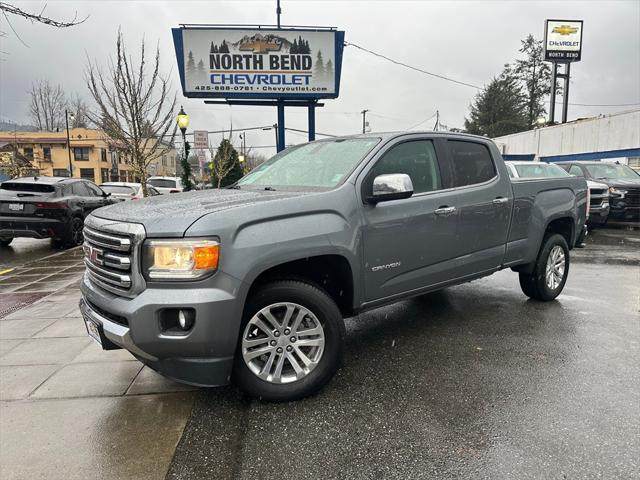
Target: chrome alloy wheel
(282, 343)
(554, 272)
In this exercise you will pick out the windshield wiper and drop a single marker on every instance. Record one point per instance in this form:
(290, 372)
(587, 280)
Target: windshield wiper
(234, 187)
(271, 189)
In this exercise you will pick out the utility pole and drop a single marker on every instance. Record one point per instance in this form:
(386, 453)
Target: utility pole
(364, 120)
(437, 125)
(66, 119)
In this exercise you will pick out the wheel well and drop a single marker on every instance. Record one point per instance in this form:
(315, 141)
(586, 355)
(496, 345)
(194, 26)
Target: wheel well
(563, 226)
(330, 272)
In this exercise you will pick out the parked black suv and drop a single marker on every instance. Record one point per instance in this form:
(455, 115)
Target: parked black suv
(623, 182)
(48, 207)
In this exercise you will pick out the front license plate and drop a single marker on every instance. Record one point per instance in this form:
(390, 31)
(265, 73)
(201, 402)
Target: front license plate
(16, 207)
(93, 329)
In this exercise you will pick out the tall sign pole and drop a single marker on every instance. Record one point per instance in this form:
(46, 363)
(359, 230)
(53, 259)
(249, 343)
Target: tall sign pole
(562, 44)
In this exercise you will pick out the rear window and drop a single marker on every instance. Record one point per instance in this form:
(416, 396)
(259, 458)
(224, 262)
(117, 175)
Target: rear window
(541, 170)
(162, 183)
(472, 163)
(118, 189)
(27, 187)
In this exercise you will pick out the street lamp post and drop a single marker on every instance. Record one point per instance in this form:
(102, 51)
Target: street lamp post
(66, 119)
(183, 123)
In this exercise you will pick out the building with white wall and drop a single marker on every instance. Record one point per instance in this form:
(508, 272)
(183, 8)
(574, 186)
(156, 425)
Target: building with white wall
(606, 137)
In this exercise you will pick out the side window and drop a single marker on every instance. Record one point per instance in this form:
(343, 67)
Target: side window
(471, 162)
(415, 158)
(94, 191)
(79, 189)
(576, 171)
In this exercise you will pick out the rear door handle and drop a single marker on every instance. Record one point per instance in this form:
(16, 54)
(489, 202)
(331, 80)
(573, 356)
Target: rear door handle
(445, 211)
(500, 200)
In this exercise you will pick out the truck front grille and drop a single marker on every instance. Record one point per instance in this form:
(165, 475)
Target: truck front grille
(633, 197)
(111, 252)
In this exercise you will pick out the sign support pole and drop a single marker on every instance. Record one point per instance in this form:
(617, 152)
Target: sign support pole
(280, 145)
(565, 103)
(312, 121)
(552, 105)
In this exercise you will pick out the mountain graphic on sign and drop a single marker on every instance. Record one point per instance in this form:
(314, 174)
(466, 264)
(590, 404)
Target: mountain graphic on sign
(260, 43)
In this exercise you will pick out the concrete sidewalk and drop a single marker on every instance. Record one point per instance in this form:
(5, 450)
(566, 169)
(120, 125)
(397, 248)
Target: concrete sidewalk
(68, 409)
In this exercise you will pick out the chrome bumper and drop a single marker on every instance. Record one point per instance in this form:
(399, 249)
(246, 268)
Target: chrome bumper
(116, 333)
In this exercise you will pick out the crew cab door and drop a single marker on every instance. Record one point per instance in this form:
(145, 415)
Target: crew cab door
(408, 242)
(484, 203)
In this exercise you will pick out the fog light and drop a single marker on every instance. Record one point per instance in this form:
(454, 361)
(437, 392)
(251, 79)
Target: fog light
(184, 319)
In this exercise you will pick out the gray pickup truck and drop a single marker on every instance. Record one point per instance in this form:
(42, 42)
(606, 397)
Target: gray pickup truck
(252, 283)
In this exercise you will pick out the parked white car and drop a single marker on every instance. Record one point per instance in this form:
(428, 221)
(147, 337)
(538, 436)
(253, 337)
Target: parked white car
(166, 184)
(122, 191)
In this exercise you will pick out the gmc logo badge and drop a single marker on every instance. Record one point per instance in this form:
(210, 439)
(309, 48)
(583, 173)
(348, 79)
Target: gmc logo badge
(94, 255)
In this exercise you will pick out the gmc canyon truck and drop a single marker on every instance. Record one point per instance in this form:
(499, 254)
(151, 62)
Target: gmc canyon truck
(251, 284)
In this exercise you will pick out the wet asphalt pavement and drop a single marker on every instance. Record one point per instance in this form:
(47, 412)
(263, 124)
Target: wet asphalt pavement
(25, 250)
(475, 381)
(472, 382)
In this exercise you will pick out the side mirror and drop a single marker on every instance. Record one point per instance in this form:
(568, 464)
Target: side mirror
(394, 186)
(105, 194)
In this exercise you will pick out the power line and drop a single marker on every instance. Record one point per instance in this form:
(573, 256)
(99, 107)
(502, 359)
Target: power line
(423, 121)
(477, 87)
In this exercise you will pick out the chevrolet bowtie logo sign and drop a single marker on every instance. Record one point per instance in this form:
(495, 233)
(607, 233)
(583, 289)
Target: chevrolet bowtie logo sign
(565, 30)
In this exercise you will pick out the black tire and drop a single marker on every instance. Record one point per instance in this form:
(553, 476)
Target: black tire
(534, 285)
(73, 236)
(325, 310)
(5, 241)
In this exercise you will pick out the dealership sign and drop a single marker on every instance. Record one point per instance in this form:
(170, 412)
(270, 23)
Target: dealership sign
(563, 41)
(259, 63)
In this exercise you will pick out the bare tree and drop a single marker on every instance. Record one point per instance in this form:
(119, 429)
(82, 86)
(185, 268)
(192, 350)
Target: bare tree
(8, 9)
(135, 107)
(47, 106)
(80, 111)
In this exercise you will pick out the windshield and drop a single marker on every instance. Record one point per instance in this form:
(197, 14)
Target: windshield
(612, 170)
(162, 182)
(541, 170)
(320, 164)
(118, 189)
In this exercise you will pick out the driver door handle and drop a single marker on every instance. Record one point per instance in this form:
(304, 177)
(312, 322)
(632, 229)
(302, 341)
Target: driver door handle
(444, 211)
(500, 200)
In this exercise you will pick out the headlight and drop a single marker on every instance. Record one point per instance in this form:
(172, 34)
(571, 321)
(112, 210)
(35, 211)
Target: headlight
(615, 191)
(180, 259)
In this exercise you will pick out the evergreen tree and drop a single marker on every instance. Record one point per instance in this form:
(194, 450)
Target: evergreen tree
(534, 76)
(225, 165)
(202, 75)
(499, 109)
(319, 67)
(329, 70)
(224, 48)
(191, 65)
(213, 48)
(294, 47)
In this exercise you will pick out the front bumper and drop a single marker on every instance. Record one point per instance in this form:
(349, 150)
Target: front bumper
(599, 213)
(32, 227)
(202, 356)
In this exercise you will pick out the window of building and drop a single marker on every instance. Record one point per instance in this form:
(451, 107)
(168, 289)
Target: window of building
(81, 153)
(104, 175)
(472, 163)
(46, 152)
(164, 160)
(103, 154)
(87, 174)
(28, 152)
(416, 159)
(60, 172)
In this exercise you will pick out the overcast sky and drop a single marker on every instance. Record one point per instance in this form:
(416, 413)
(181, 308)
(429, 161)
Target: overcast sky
(468, 41)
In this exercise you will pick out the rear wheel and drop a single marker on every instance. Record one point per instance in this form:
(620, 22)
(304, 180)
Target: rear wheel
(74, 236)
(550, 272)
(290, 342)
(5, 241)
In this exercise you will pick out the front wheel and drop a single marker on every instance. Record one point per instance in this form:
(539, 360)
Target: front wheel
(291, 341)
(550, 272)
